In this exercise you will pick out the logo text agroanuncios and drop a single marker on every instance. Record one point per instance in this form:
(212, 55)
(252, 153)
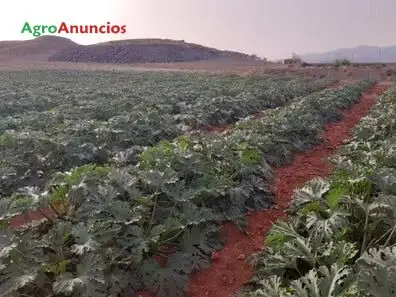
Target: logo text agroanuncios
(38, 30)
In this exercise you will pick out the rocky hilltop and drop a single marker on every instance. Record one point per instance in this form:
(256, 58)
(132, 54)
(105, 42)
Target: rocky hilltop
(54, 48)
(144, 51)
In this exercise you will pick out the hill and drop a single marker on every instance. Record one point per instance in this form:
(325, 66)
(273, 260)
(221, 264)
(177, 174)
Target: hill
(360, 54)
(38, 48)
(144, 51)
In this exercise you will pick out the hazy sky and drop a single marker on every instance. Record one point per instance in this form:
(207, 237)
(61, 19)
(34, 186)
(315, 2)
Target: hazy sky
(269, 28)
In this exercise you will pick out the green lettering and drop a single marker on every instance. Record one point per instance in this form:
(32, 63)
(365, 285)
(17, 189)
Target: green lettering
(36, 31)
(26, 27)
(52, 29)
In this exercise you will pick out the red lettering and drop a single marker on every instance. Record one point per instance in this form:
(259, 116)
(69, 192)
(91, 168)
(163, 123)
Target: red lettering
(73, 29)
(115, 29)
(84, 29)
(93, 28)
(102, 29)
(63, 28)
(108, 28)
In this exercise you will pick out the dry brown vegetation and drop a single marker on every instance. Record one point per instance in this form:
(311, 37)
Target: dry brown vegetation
(36, 49)
(34, 54)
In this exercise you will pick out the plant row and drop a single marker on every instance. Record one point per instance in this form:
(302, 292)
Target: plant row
(339, 238)
(54, 121)
(113, 230)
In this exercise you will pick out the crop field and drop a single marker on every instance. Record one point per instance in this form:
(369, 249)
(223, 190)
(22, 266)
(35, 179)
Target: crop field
(55, 121)
(120, 184)
(339, 239)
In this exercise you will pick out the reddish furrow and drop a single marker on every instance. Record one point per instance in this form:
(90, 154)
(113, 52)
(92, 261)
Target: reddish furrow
(35, 215)
(261, 114)
(229, 271)
(30, 216)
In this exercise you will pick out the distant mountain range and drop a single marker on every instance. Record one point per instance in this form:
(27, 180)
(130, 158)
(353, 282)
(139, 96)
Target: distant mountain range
(360, 54)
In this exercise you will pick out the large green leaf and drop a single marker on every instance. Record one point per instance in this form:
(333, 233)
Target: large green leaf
(313, 191)
(84, 241)
(269, 287)
(377, 272)
(88, 281)
(166, 282)
(325, 282)
(324, 227)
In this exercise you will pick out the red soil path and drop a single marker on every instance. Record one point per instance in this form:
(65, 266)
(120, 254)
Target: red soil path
(229, 270)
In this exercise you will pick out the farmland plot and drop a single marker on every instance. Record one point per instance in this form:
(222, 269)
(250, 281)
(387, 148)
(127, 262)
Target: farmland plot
(115, 228)
(339, 239)
(54, 121)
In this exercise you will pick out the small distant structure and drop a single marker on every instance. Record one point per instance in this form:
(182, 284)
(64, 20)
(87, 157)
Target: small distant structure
(258, 58)
(290, 61)
(295, 60)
